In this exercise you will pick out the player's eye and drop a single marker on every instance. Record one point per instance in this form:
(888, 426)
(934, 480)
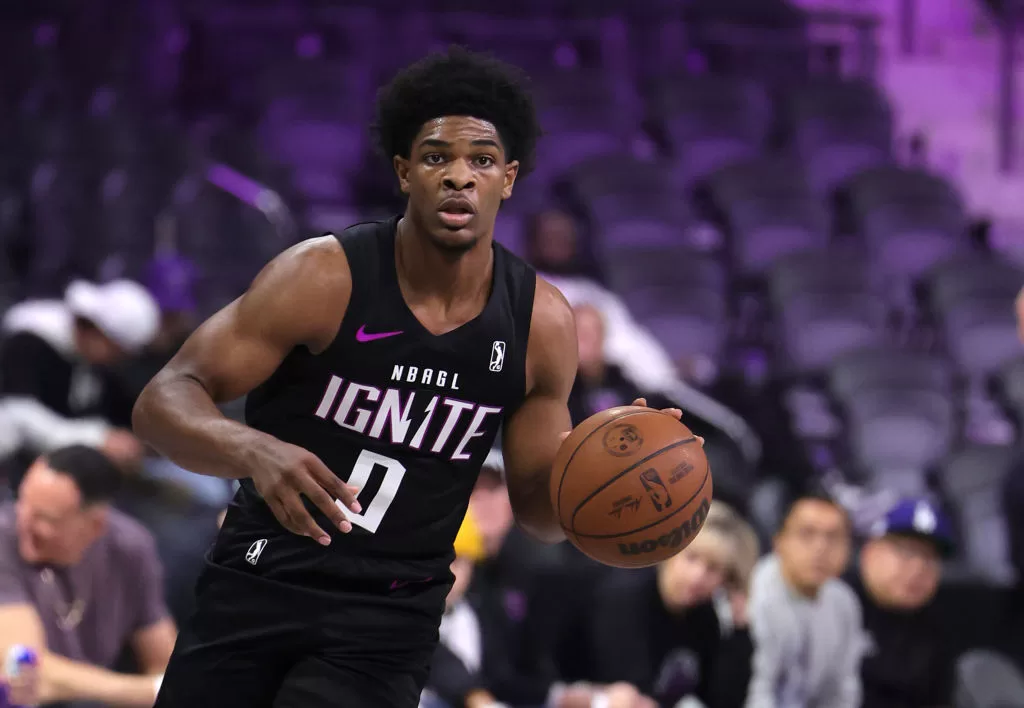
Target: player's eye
(485, 160)
(433, 158)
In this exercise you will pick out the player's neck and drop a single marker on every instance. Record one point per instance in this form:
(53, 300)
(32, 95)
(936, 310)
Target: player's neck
(424, 269)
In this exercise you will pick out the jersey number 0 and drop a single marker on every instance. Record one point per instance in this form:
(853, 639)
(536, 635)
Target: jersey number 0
(373, 513)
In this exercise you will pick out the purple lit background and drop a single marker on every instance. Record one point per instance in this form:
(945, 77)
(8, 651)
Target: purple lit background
(814, 207)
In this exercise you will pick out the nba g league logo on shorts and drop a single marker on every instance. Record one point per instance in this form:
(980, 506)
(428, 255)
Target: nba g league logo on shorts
(255, 550)
(672, 539)
(497, 356)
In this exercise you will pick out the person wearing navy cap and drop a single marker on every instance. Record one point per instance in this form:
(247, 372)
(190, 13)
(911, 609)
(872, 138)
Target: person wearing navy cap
(909, 662)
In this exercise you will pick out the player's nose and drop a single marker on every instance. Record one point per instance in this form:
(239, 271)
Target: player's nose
(459, 176)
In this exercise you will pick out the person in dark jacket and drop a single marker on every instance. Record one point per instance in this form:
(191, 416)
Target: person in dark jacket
(658, 629)
(909, 662)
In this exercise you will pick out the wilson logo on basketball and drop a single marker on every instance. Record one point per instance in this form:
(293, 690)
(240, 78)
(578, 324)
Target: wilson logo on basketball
(672, 539)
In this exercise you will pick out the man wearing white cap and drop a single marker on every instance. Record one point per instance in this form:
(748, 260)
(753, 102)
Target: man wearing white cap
(54, 387)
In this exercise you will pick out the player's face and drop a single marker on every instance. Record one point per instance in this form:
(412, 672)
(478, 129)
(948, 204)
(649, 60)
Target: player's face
(813, 544)
(901, 571)
(456, 178)
(53, 526)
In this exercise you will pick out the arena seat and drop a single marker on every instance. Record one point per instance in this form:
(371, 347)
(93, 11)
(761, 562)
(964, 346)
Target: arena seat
(986, 679)
(972, 479)
(711, 122)
(824, 308)
(669, 265)
(687, 322)
(840, 128)
(970, 298)
(889, 368)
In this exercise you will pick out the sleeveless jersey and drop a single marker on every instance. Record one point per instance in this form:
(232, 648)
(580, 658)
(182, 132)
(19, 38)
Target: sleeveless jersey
(406, 416)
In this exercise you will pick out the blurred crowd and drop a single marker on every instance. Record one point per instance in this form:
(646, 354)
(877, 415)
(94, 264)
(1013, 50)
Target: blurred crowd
(866, 541)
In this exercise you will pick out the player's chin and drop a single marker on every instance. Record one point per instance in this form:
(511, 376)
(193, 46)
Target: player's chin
(455, 240)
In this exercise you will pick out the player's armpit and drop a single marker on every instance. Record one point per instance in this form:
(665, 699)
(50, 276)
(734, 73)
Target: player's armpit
(535, 431)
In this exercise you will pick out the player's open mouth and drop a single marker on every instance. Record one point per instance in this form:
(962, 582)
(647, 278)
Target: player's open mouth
(456, 213)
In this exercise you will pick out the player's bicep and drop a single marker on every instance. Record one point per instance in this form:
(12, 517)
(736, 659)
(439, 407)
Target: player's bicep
(533, 434)
(240, 346)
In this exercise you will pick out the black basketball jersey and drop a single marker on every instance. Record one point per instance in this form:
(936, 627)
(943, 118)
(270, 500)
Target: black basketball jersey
(406, 416)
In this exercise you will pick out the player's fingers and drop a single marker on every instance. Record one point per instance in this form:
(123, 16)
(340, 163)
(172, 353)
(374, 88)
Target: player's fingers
(325, 503)
(676, 413)
(281, 513)
(303, 520)
(343, 492)
(642, 402)
(701, 440)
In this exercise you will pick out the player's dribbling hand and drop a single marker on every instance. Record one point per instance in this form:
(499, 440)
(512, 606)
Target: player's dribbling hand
(285, 473)
(623, 695)
(676, 413)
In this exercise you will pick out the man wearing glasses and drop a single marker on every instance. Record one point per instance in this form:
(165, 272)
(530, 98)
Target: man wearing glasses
(805, 622)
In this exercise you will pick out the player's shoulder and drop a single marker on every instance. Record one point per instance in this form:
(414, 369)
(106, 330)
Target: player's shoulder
(312, 266)
(552, 354)
(552, 313)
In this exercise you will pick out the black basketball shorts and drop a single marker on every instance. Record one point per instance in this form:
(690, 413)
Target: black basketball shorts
(260, 641)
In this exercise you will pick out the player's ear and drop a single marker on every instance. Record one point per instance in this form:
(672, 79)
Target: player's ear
(402, 170)
(511, 170)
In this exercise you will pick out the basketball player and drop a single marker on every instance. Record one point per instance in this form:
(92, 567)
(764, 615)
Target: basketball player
(380, 365)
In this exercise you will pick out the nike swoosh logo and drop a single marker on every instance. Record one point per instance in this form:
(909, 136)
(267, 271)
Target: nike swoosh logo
(363, 336)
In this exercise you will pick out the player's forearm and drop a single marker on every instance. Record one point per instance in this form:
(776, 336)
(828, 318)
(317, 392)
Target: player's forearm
(177, 416)
(64, 680)
(531, 504)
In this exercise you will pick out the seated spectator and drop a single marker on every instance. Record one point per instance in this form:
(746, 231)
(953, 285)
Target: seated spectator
(552, 245)
(599, 384)
(657, 629)
(58, 353)
(805, 622)
(171, 280)
(79, 581)
(909, 662)
(455, 676)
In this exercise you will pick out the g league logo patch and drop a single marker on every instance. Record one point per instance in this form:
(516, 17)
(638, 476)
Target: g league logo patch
(497, 355)
(255, 550)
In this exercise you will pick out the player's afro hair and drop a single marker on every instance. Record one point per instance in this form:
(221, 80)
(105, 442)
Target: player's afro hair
(458, 83)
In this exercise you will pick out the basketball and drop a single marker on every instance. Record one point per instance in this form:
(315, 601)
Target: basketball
(631, 486)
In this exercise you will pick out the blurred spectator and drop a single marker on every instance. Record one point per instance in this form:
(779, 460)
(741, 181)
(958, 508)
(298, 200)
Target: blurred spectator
(805, 622)
(455, 676)
(80, 580)
(554, 246)
(909, 662)
(629, 349)
(504, 583)
(171, 280)
(599, 384)
(59, 354)
(658, 630)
